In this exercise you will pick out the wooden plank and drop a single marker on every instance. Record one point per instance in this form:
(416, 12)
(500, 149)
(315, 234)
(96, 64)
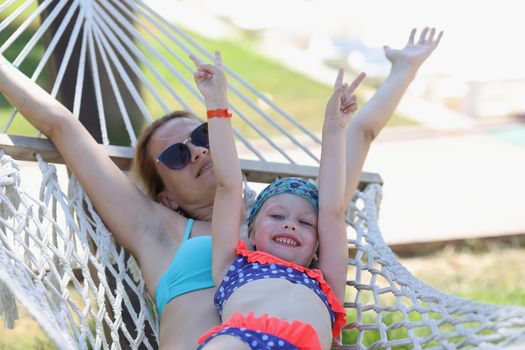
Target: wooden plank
(24, 148)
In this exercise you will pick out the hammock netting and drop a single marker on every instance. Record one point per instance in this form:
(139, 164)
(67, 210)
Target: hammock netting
(58, 260)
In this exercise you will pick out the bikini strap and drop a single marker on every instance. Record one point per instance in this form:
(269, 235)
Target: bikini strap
(188, 229)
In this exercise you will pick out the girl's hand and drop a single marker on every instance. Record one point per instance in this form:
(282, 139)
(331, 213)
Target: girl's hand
(414, 54)
(342, 104)
(211, 82)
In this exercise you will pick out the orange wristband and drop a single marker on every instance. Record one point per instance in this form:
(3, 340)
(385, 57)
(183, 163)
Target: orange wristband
(219, 113)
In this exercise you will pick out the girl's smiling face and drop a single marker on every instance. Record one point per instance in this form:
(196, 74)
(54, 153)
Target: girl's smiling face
(286, 226)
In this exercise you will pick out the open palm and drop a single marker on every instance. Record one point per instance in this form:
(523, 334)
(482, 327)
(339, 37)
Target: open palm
(415, 53)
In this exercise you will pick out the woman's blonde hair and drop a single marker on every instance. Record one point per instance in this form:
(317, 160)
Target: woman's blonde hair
(143, 165)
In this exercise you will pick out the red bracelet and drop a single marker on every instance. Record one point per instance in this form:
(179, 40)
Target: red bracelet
(219, 113)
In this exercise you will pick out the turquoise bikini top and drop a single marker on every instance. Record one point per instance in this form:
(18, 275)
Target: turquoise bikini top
(189, 270)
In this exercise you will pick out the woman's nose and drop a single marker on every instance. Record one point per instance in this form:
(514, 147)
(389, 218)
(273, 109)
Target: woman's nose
(197, 151)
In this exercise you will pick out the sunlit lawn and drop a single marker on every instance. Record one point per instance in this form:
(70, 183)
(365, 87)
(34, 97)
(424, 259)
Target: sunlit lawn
(494, 275)
(25, 335)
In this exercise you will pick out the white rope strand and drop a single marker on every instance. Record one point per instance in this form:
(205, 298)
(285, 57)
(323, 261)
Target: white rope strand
(77, 102)
(96, 80)
(10, 19)
(102, 47)
(54, 42)
(6, 4)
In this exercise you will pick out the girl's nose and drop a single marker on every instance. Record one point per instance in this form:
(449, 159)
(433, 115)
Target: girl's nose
(289, 227)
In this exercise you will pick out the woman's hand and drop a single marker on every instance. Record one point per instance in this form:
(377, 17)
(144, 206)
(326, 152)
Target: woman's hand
(414, 54)
(342, 104)
(211, 82)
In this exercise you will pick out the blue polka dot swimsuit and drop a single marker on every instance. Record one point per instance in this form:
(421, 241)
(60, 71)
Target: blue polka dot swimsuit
(265, 332)
(255, 339)
(242, 271)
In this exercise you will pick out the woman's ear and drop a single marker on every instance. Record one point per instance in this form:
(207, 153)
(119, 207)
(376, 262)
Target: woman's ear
(166, 199)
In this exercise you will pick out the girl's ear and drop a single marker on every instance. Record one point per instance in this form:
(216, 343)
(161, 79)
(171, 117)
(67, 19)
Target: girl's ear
(314, 262)
(251, 237)
(166, 199)
(315, 257)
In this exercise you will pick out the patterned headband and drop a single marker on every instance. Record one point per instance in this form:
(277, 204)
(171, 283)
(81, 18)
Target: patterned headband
(294, 185)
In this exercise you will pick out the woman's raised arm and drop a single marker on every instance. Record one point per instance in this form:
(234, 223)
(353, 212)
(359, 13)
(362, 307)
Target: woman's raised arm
(374, 115)
(121, 205)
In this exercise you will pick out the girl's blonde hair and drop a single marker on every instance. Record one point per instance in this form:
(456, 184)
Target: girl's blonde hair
(143, 165)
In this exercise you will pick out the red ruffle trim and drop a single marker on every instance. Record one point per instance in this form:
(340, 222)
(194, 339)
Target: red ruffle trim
(301, 335)
(335, 304)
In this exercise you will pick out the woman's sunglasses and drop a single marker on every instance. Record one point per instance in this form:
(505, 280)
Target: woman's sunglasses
(178, 155)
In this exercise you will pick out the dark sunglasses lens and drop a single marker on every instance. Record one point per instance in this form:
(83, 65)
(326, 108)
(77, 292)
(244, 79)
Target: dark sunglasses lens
(199, 136)
(176, 156)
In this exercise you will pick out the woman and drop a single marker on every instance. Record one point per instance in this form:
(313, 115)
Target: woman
(152, 228)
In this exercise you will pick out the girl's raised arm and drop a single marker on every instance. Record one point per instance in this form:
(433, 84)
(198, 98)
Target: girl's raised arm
(333, 251)
(120, 204)
(226, 219)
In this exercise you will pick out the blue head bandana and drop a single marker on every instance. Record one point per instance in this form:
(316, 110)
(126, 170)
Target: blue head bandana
(294, 185)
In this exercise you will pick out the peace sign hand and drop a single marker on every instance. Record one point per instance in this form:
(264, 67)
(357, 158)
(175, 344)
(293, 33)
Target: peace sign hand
(211, 81)
(342, 104)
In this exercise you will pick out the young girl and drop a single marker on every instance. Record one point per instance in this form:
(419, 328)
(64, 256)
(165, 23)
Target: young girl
(269, 297)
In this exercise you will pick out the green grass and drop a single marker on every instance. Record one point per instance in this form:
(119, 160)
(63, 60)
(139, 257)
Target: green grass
(485, 272)
(298, 95)
(20, 126)
(26, 335)
(493, 295)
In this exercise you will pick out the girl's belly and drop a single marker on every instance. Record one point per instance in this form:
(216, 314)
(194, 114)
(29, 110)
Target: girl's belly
(284, 299)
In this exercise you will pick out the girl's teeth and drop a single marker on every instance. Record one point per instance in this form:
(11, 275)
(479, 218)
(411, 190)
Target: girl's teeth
(286, 241)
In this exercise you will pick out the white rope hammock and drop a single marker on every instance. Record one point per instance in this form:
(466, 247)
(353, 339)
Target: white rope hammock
(58, 260)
